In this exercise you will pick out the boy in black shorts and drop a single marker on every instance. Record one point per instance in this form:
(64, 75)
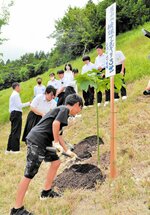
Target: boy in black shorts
(48, 130)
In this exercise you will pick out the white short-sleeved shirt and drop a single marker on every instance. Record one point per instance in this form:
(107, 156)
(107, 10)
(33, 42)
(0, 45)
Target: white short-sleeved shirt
(42, 104)
(68, 79)
(61, 83)
(55, 83)
(88, 67)
(100, 61)
(119, 57)
(15, 102)
(39, 89)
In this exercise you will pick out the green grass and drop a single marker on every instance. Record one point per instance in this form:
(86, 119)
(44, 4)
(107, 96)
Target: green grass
(134, 45)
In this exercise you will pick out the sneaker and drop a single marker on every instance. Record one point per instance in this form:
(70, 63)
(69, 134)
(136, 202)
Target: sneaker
(124, 97)
(14, 152)
(84, 107)
(20, 211)
(116, 100)
(49, 194)
(146, 92)
(99, 104)
(106, 103)
(7, 152)
(90, 105)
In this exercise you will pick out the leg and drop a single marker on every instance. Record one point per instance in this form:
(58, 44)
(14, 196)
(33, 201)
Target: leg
(85, 96)
(14, 137)
(99, 97)
(23, 186)
(51, 174)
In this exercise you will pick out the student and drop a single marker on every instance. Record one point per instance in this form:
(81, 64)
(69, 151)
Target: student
(147, 89)
(41, 136)
(120, 68)
(75, 73)
(15, 109)
(53, 81)
(89, 95)
(40, 105)
(100, 63)
(39, 88)
(61, 90)
(69, 81)
(68, 75)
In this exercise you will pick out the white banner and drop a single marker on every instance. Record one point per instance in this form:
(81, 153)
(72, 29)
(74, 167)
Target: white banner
(110, 40)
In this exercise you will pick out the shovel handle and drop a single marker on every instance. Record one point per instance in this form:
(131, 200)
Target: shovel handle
(52, 149)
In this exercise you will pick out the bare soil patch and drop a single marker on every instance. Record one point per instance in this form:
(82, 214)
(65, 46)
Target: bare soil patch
(82, 175)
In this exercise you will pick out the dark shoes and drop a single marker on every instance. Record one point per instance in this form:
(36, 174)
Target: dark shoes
(20, 211)
(146, 92)
(49, 194)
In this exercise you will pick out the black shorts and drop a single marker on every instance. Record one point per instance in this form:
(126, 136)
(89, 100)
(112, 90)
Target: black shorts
(35, 156)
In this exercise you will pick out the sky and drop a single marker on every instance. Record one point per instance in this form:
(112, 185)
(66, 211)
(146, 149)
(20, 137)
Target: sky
(30, 23)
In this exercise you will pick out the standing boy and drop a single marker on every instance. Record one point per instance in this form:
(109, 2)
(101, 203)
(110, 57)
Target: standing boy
(89, 95)
(42, 135)
(120, 68)
(100, 63)
(15, 109)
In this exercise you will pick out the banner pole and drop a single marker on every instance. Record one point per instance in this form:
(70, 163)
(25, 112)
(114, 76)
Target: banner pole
(113, 170)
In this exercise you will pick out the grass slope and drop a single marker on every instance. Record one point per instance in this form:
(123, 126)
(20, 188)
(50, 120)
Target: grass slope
(133, 44)
(129, 193)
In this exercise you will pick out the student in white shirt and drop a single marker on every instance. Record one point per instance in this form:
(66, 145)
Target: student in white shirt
(61, 90)
(15, 109)
(100, 63)
(39, 88)
(120, 68)
(75, 73)
(89, 95)
(40, 105)
(53, 81)
(69, 81)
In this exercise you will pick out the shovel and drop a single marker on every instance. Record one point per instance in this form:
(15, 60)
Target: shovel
(54, 150)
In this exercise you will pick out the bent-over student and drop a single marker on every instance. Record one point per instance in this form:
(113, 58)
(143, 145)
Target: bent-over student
(42, 135)
(40, 105)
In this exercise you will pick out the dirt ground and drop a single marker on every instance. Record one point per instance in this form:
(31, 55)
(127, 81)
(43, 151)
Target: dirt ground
(82, 174)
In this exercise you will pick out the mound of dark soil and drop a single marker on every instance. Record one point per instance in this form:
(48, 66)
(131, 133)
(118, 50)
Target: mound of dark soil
(88, 145)
(79, 176)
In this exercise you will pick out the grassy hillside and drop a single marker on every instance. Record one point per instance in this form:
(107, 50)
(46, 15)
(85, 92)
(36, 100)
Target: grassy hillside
(129, 193)
(133, 44)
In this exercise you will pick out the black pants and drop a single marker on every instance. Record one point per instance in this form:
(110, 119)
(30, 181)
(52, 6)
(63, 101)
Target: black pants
(123, 89)
(32, 120)
(14, 137)
(88, 96)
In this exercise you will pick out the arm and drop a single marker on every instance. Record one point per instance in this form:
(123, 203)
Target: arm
(62, 142)
(35, 110)
(18, 102)
(122, 69)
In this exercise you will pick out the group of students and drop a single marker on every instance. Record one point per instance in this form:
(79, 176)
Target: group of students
(45, 99)
(45, 122)
(100, 64)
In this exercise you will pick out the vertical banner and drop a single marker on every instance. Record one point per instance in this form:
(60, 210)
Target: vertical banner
(110, 72)
(110, 40)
